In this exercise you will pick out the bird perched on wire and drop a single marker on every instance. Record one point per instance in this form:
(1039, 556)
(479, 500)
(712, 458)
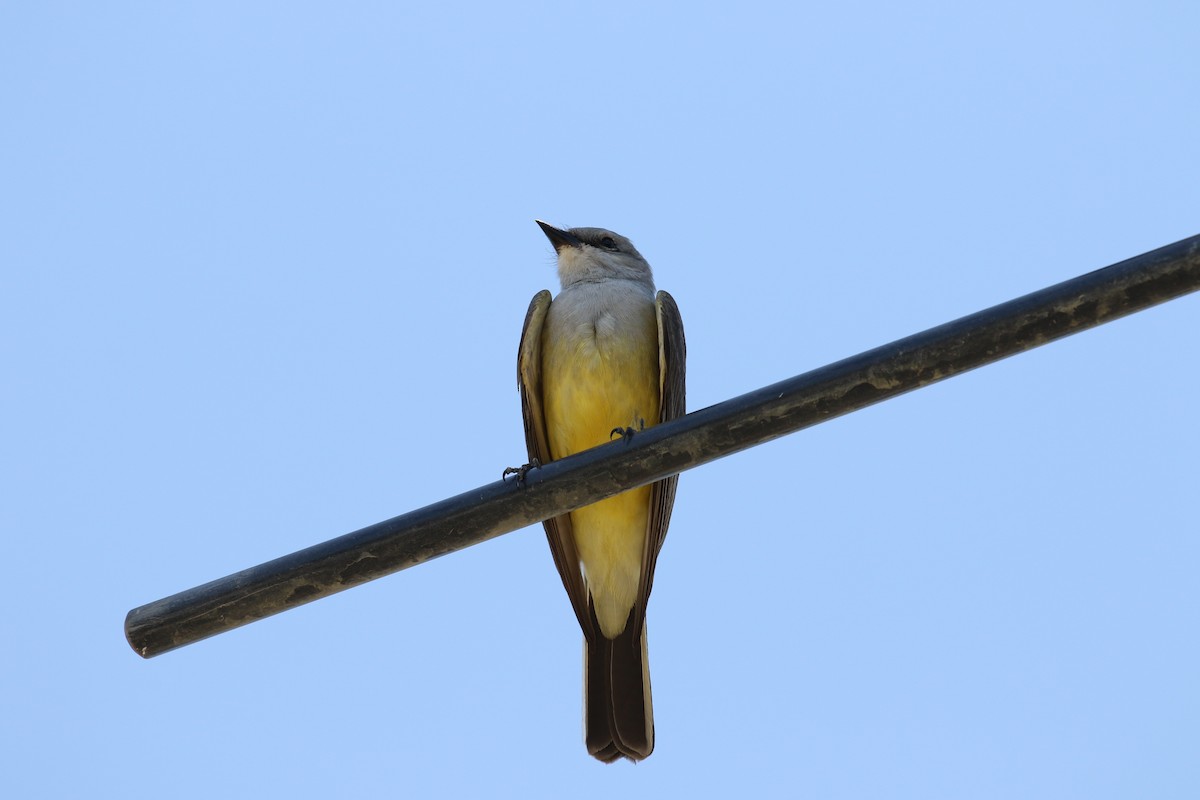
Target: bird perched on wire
(605, 357)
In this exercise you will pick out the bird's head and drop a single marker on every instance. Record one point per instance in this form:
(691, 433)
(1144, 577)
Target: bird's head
(595, 254)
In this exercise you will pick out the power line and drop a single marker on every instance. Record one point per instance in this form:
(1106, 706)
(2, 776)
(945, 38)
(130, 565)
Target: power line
(667, 449)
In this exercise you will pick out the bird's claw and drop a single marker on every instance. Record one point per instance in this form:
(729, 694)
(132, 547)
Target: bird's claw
(521, 471)
(627, 432)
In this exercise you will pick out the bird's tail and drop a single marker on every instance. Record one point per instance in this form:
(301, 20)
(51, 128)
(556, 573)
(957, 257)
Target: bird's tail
(618, 716)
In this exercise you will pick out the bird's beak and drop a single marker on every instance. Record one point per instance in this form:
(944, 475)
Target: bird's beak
(559, 238)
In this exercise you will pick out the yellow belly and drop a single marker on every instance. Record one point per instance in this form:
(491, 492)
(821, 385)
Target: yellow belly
(593, 382)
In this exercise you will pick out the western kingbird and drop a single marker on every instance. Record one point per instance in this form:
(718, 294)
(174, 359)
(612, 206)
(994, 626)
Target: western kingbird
(606, 356)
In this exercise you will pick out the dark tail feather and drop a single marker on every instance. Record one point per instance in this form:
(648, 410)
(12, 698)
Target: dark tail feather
(618, 716)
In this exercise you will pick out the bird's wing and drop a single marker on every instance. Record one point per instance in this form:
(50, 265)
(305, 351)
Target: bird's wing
(529, 379)
(672, 355)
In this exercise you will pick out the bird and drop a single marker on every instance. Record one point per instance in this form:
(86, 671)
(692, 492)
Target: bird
(605, 357)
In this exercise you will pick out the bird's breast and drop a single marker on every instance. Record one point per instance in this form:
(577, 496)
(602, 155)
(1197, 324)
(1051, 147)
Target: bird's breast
(599, 372)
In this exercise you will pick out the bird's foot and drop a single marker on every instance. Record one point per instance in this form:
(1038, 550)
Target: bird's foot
(626, 433)
(521, 471)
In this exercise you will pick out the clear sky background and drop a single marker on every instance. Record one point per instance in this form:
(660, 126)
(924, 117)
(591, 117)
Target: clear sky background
(264, 268)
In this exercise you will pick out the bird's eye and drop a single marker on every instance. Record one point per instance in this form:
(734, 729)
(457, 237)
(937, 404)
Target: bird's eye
(608, 244)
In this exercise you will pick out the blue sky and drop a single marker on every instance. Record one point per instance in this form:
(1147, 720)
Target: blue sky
(263, 274)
